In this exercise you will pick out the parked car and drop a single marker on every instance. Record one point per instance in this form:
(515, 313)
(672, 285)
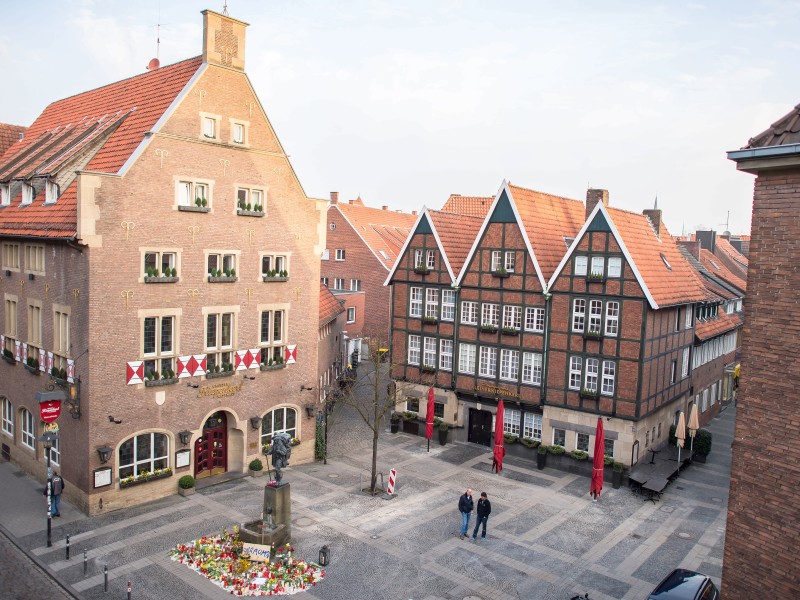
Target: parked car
(683, 584)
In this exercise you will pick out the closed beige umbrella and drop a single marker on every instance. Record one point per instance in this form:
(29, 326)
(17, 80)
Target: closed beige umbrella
(694, 425)
(680, 433)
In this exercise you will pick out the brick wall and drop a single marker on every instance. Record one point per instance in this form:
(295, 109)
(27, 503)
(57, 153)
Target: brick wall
(763, 511)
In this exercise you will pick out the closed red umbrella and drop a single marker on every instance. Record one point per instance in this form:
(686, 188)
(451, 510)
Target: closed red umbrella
(429, 418)
(499, 439)
(598, 465)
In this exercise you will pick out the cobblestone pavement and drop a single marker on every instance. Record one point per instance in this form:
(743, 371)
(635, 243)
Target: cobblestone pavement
(22, 579)
(547, 539)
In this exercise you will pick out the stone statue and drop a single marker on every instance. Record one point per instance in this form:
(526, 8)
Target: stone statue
(281, 450)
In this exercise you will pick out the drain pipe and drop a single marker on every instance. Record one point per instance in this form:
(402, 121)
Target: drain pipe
(545, 347)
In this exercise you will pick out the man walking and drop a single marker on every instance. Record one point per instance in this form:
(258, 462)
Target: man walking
(56, 487)
(465, 506)
(484, 510)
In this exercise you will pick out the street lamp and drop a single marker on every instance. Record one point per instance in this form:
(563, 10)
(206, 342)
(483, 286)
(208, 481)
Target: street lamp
(48, 438)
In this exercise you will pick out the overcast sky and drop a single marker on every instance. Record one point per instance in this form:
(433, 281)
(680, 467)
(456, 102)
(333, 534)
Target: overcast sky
(405, 102)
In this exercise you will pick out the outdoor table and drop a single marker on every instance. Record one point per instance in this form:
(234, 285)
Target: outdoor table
(654, 487)
(653, 456)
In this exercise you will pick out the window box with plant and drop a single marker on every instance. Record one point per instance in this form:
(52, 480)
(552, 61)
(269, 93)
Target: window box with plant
(59, 376)
(186, 485)
(274, 275)
(421, 270)
(595, 277)
(488, 328)
(32, 365)
(427, 369)
(219, 276)
(246, 209)
(156, 379)
(501, 273)
(589, 394)
(295, 441)
(510, 438)
(273, 364)
(8, 356)
(579, 455)
(429, 320)
(593, 334)
(200, 205)
(145, 477)
(223, 370)
(255, 468)
(169, 275)
(509, 331)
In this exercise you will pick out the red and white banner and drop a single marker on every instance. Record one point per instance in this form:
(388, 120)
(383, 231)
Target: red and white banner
(17, 348)
(134, 373)
(70, 370)
(246, 359)
(25, 353)
(291, 354)
(49, 362)
(42, 360)
(191, 366)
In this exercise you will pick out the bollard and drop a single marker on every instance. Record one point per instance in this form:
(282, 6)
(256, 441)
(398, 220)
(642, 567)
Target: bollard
(85, 563)
(105, 578)
(67, 547)
(129, 590)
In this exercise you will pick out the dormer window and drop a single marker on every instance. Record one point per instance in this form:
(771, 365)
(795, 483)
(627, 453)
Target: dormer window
(28, 193)
(5, 194)
(51, 192)
(598, 266)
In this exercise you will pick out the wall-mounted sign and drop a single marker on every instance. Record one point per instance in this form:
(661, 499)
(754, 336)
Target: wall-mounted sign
(495, 390)
(102, 477)
(220, 390)
(183, 458)
(49, 410)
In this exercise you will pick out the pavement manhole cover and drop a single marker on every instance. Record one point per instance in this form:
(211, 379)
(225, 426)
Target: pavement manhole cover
(304, 521)
(667, 509)
(333, 475)
(684, 535)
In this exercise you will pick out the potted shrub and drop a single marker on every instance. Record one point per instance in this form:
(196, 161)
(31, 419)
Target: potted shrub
(616, 475)
(702, 445)
(8, 356)
(510, 438)
(579, 455)
(256, 468)
(529, 442)
(443, 427)
(410, 423)
(186, 485)
(541, 456)
(395, 422)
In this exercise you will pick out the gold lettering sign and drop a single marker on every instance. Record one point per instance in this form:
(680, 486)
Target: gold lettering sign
(493, 389)
(220, 390)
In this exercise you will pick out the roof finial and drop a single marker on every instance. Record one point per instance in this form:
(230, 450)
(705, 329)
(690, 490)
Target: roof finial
(225, 8)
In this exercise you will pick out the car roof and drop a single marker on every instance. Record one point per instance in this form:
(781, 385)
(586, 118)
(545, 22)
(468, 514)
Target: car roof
(681, 584)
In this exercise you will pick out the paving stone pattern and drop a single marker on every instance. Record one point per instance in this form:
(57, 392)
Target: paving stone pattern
(546, 538)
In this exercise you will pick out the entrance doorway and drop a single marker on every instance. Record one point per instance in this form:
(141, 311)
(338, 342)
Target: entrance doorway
(211, 448)
(480, 427)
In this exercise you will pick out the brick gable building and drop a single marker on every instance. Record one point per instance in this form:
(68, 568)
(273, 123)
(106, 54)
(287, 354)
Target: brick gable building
(763, 511)
(160, 265)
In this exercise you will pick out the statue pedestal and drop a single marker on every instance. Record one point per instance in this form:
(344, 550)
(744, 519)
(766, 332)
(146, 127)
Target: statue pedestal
(278, 499)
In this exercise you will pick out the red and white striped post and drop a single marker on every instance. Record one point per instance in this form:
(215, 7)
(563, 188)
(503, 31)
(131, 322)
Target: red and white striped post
(392, 479)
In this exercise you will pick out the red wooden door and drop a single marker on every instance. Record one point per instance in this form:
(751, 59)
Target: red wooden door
(211, 449)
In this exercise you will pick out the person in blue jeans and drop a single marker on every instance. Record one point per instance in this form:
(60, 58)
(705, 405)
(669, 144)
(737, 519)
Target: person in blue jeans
(465, 507)
(484, 510)
(56, 487)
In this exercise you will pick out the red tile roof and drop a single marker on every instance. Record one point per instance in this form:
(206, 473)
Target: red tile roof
(677, 283)
(733, 259)
(476, 206)
(107, 124)
(548, 220)
(718, 268)
(723, 323)
(457, 233)
(784, 131)
(382, 230)
(9, 135)
(329, 306)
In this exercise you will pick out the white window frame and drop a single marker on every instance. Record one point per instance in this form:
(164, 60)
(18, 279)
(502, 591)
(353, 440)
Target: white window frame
(609, 378)
(487, 367)
(253, 196)
(581, 265)
(217, 353)
(224, 260)
(275, 262)
(147, 464)
(511, 421)
(351, 314)
(28, 194)
(685, 364)
(448, 305)
(509, 364)
(512, 317)
(419, 255)
(415, 302)
(490, 314)
(272, 328)
(160, 259)
(689, 320)
(414, 349)
(55, 452)
(534, 319)
(563, 434)
(595, 324)
(268, 428)
(8, 418)
(446, 355)
(430, 261)
(466, 358)
(575, 372)
(532, 368)
(578, 314)
(612, 318)
(5, 194)
(340, 254)
(614, 267)
(188, 190)
(429, 352)
(592, 375)
(532, 426)
(355, 285)
(469, 312)
(497, 260)
(582, 441)
(209, 126)
(164, 350)
(11, 256)
(243, 127)
(28, 429)
(338, 283)
(432, 303)
(510, 262)
(51, 192)
(598, 266)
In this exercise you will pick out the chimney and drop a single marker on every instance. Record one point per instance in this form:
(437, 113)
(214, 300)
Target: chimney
(334, 197)
(351, 201)
(223, 40)
(707, 239)
(692, 246)
(594, 196)
(654, 214)
(413, 212)
(384, 207)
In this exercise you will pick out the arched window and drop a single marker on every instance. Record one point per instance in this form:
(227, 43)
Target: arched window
(280, 419)
(143, 454)
(8, 417)
(55, 452)
(28, 428)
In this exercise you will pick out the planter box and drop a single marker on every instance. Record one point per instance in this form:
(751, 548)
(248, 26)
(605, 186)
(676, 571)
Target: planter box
(148, 480)
(595, 278)
(429, 321)
(58, 381)
(186, 492)
(267, 278)
(488, 329)
(222, 279)
(32, 370)
(220, 374)
(160, 382)
(427, 369)
(249, 213)
(585, 395)
(443, 437)
(411, 427)
(500, 274)
(255, 473)
(9, 359)
(541, 460)
(273, 367)
(512, 332)
(155, 279)
(593, 335)
(200, 209)
(395, 426)
(421, 271)
(701, 458)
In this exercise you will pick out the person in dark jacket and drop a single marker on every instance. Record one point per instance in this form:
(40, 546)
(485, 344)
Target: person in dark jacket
(465, 507)
(484, 510)
(56, 487)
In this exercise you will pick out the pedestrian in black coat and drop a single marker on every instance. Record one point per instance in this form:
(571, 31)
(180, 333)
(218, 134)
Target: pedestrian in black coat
(484, 510)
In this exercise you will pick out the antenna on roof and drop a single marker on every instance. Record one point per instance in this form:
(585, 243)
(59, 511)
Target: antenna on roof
(655, 204)
(225, 8)
(155, 62)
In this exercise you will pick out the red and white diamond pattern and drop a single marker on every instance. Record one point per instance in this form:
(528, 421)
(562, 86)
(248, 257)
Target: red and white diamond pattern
(247, 359)
(191, 366)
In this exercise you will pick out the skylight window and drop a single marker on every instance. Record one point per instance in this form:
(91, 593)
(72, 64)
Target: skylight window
(568, 241)
(716, 266)
(666, 262)
(383, 254)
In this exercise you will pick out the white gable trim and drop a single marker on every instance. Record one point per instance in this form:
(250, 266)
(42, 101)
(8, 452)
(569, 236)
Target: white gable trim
(600, 207)
(424, 212)
(520, 224)
(162, 119)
